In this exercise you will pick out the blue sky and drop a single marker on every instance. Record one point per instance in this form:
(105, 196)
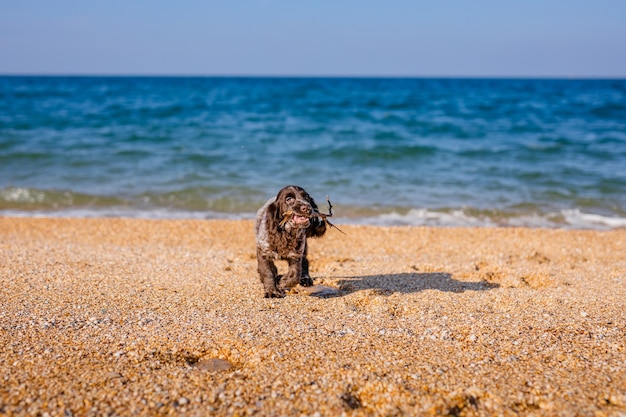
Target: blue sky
(530, 38)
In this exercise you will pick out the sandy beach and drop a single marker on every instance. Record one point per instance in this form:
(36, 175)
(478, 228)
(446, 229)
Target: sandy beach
(159, 317)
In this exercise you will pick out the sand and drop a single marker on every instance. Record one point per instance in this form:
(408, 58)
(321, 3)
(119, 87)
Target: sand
(158, 317)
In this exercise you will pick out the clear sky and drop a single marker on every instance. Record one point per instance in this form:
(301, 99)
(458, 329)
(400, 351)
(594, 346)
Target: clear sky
(524, 38)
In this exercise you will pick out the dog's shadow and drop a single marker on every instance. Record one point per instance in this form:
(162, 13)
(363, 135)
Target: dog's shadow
(406, 283)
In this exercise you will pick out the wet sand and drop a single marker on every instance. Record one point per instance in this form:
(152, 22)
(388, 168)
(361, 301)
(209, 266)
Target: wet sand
(159, 317)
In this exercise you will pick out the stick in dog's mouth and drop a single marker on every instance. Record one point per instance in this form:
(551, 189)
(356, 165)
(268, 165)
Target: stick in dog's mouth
(298, 219)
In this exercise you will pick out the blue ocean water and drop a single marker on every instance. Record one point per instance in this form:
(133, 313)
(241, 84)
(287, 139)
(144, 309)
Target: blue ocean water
(483, 152)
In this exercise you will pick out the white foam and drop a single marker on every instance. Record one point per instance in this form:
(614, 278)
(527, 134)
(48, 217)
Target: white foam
(155, 214)
(425, 217)
(22, 195)
(578, 219)
(568, 219)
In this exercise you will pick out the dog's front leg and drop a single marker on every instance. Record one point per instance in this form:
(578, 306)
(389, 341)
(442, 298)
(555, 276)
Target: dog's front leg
(269, 276)
(294, 272)
(305, 278)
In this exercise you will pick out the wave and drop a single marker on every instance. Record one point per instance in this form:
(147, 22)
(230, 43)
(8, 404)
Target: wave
(610, 110)
(563, 219)
(214, 200)
(29, 199)
(372, 154)
(580, 220)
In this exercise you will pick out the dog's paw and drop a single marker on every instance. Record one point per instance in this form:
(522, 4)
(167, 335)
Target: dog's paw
(306, 281)
(275, 293)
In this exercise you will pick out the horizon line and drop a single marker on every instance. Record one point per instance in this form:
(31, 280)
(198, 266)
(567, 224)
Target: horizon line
(318, 76)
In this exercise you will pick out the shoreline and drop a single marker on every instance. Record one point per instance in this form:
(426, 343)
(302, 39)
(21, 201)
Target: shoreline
(135, 316)
(566, 219)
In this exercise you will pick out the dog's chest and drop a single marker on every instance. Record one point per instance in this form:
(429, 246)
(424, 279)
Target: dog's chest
(290, 248)
(284, 245)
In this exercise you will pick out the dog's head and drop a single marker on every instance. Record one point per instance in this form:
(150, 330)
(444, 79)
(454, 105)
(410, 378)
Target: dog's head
(292, 208)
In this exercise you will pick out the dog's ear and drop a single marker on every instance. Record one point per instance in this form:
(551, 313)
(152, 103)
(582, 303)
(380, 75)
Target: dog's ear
(317, 227)
(273, 216)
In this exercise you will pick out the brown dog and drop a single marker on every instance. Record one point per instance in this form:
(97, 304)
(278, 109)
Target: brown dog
(282, 227)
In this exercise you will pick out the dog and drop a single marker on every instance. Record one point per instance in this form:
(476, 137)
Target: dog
(282, 227)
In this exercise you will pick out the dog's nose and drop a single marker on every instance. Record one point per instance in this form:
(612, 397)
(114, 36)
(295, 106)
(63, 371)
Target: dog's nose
(305, 208)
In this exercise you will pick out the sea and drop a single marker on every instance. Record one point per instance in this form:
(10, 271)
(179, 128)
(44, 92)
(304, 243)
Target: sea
(547, 153)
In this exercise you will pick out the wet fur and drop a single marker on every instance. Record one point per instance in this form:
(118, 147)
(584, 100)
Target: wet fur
(287, 241)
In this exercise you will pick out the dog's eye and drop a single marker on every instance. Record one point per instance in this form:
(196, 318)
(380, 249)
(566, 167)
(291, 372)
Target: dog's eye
(289, 199)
